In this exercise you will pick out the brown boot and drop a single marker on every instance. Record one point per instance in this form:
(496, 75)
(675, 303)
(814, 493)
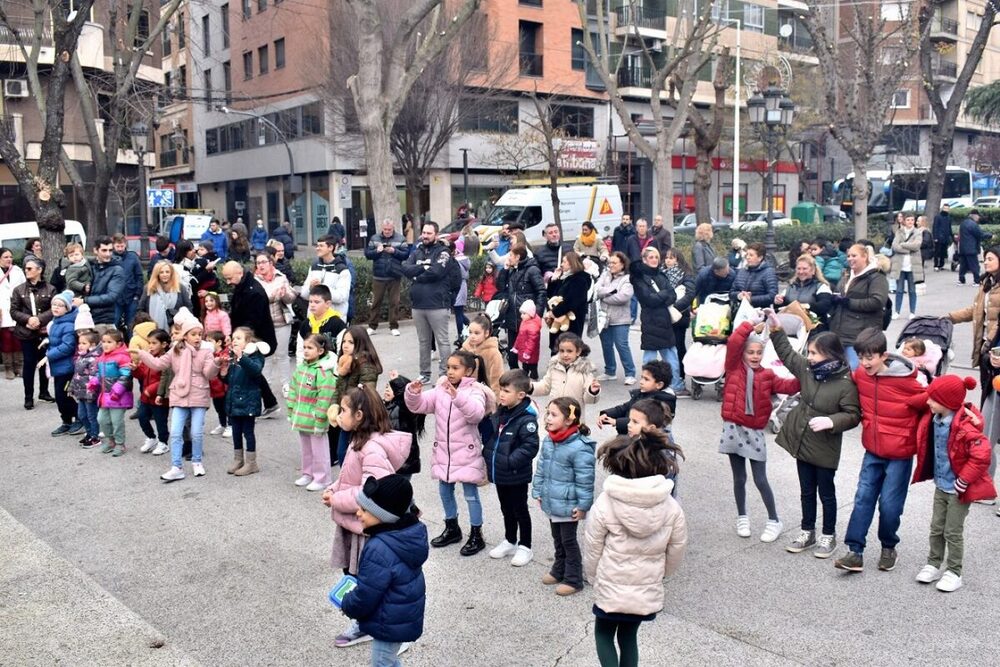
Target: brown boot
(18, 363)
(249, 465)
(237, 462)
(8, 365)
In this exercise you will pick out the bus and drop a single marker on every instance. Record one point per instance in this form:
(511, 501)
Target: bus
(905, 190)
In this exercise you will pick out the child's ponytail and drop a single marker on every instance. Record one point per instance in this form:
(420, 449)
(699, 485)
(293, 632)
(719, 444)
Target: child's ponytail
(571, 411)
(575, 341)
(375, 418)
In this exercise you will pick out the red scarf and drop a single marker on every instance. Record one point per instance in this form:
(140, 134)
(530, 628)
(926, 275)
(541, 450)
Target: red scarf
(565, 434)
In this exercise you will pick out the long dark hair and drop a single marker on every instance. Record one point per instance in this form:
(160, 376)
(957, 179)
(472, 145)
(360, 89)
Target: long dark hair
(375, 420)
(682, 262)
(473, 362)
(650, 453)
(657, 413)
(576, 341)
(408, 420)
(828, 344)
(364, 349)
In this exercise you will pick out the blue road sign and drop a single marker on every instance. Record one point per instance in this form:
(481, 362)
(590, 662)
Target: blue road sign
(160, 198)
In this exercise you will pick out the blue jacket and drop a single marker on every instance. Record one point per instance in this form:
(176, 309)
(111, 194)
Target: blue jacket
(62, 343)
(760, 281)
(132, 270)
(281, 234)
(970, 236)
(708, 283)
(258, 239)
(942, 228)
(831, 263)
(564, 476)
(219, 240)
(388, 602)
(243, 378)
(509, 454)
(106, 291)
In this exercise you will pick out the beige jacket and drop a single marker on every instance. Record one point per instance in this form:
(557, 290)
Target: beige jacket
(636, 534)
(985, 310)
(573, 381)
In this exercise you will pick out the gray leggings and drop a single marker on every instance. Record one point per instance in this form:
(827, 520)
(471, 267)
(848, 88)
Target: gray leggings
(759, 470)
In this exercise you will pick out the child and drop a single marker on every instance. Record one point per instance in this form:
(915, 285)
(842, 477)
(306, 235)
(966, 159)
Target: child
(509, 456)
(217, 388)
(401, 418)
(746, 407)
(564, 488)
(570, 373)
(113, 382)
(654, 383)
(357, 365)
(88, 350)
(529, 339)
(321, 319)
(193, 365)
(375, 451)
(482, 342)
(142, 326)
(214, 317)
(152, 407)
(309, 395)
(635, 535)
(78, 275)
(61, 338)
(953, 451)
(487, 287)
(915, 350)
(814, 429)
(389, 599)
(891, 404)
(652, 415)
(242, 376)
(459, 404)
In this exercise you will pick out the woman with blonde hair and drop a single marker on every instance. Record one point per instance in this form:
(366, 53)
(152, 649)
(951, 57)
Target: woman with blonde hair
(810, 288)
(702, 253)
(164, 295)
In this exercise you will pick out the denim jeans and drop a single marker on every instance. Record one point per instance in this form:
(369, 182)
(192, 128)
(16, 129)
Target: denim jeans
(384, 653)
(243, 430)
(343, 442)
(669, 355)
(125, 313)
(86, 412)
(633, 308)
(906, 278)
(885, 481)
(852, 357)
(615, 337)
(154, 414)
(179, 417)
(447, 492)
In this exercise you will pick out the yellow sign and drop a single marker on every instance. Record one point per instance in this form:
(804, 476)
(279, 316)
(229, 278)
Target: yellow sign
(606, 207)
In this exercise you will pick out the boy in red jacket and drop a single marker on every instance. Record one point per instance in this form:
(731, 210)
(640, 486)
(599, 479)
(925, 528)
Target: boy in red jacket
(892, 401)
(952, 451)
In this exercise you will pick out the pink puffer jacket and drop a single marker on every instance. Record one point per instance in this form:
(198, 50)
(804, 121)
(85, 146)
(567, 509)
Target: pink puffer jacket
(382, 455)
(193, 369)
(458, 450)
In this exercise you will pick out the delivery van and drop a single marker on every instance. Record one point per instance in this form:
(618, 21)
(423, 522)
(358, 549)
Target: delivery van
(14, 235)
(601, 203)
(185, 226)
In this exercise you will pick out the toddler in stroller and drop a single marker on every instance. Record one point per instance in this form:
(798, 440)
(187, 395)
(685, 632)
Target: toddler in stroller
(705, 360)
(933, 334)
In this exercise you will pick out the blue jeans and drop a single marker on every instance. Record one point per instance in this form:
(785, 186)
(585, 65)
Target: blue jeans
(885, 481)
(447, 492)
(906, 278)
(384, 653)
(669, 355)
(86, 412)
(178, 418)
(633, 308)
(343, 441)
(616, 337)
(852, 357)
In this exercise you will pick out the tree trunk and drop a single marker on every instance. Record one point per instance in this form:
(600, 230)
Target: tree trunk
(664, 169)
(940, 144)
(703, 181)
(381, 181)
(554, 192)
(414, 185)
(860, 196)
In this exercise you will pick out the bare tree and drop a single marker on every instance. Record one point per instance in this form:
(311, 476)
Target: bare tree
(986, 154)
(707, 130)
(126, 193)
(861, 66)
(550, 137)
(519, 154)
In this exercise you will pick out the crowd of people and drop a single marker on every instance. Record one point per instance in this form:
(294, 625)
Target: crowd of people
(108, 339)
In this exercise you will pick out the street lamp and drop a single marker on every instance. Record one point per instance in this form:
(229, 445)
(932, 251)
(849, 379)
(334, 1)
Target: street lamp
(139, 133)
(771, 113)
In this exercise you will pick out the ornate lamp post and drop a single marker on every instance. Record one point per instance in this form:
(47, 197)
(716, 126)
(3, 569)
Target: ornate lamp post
(771, 113)
(139, 133)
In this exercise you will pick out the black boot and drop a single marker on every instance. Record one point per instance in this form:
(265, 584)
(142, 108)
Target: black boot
(452, 534)
(475, 543)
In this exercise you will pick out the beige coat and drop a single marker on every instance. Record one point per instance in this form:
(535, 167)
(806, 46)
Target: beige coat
(573, 381)
(984, 309)
(636, 534)
(901, 246)
(489, 350)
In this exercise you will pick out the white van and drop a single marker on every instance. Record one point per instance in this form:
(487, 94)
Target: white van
(185, 226)
(14, 235)
(601, 203)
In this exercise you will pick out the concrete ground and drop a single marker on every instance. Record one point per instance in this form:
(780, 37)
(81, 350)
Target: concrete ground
(102, 564)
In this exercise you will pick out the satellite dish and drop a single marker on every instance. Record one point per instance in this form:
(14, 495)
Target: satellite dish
(785, 30)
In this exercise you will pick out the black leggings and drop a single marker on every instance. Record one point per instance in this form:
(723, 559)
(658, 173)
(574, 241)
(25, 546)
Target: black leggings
(220, 409)
(514, 507)
(243, 430)
(813, 479)
(628, 642)
(759, 470)
(32, 355)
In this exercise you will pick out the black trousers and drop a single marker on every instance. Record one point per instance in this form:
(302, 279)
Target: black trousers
(243, 431)
(150, 415)
(940, 254)
(220, 409)
(32, 355)
(812, 478)
(567, 567)
(514, 507)
(65, 402)
(968, 263)
(266, 395)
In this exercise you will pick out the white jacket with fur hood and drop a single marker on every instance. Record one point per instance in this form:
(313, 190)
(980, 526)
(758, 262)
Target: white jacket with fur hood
(636, 534)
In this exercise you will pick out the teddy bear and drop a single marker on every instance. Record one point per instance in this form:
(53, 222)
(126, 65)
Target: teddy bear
(561, 323)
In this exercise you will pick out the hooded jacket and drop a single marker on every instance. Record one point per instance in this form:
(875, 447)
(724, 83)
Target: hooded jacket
(892, 403)
(636, 534)
(969, 453)
(382, 455)
(529, 340)
(831, 262)
(573, 381)
(653, 291)
(114, 379)
(62, 343)
(510, 453)
(564, 476)
(813, 293)
(427, 267)
(760, 281)
(107, 290)
(489, 350)
(765, 384)
(219, 239)
(620, 412)
(865, 294)
(243, 381)
(192, 369)
(457, 453)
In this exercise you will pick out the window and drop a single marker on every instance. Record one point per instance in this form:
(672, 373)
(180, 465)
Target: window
(225, 26)
(142, 30)
(182, 81)
(167, 84)
(574, 121)
(530, 43)
(181, 38)
(312, 119)
(206, 36)
(279, 53)
(227, 81)
(500, 116)
(246, 9)
(247, 65)
(753, 18)
(263, 60)
(166, 42)
(261, 5)
(972, 21)
(904, 138)
(901, 99)
(70, 6)
(720, 10)
(211, 141)
(208, 88)
(578, 55)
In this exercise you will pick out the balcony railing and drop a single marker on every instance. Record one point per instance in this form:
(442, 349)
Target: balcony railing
(945, 25)
(26, 31)
(797, 43)
(945, 68)
(635, 77)
(641, 17)
(531, 64)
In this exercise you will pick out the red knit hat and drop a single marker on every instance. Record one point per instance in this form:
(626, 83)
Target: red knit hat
(949, 390)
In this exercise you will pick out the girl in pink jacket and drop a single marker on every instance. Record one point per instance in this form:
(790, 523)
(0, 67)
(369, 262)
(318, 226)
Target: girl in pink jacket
(459, 402)
(113, 383)
(375, 450)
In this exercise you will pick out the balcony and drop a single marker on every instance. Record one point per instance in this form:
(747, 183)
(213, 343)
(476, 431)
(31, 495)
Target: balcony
(944, 29)
(531, 64)
(799, 42)
(635, 77)
(944, 69)
(645, 21)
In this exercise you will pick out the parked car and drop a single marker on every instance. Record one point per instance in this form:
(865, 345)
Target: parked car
(754, 219)
(684, 223)
(992, 201)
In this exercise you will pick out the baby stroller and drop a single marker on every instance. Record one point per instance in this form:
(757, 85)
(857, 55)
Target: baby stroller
(936, 333)
(705, 360)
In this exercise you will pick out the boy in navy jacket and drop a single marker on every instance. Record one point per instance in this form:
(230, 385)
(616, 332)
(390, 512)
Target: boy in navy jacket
(654, 383)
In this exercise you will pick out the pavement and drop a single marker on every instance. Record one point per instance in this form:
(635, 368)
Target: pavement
(102, 564)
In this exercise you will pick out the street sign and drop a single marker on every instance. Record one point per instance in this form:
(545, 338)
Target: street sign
(160, 198)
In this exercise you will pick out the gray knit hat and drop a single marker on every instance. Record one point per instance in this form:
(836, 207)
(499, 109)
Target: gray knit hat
(387, 499)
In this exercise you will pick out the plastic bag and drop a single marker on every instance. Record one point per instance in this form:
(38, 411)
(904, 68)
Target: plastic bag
(745, 313)
(712, 319)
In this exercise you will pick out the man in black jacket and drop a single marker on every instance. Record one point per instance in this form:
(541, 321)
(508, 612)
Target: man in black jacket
(249, 307)
(134, 282)
(387, 252)
(619, 239)
(549, 255)
(941, 232)
(108, 287)
(427, 267)
(970, 238)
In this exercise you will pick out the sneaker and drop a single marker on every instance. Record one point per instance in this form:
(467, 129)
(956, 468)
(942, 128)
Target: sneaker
(950, 582)
(851, 562)
(991, 501)
(682, 393)
(84, 440)
(161, 448)
(394, 332)
(929, 574)
(266, 414)
(228, 432)
(522, 557)
(198, 469)
(605, 377)
(503, 550)
(46, 398)
(173, 474)
(304, 480)
(743, 525)
(350, 637)
(629, 381)
(403, 648)
(315, 486)
(825, 546)
(895, 315)
(771, 531)
(218, 430)
(119, 451)
(90, 443)
(887, 561)
(371, 332)
(913, 316)
(806, 539)
(62, 429)
(107, 447)
(76, 428)
(147, 445)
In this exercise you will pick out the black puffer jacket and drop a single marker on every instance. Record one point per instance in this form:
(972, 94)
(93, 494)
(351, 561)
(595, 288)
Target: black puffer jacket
(573, 289)
(427, 267)
(655, 295)
(863, 307)
(548, 257)
(518, 285)
(510, 453)
(106, 291)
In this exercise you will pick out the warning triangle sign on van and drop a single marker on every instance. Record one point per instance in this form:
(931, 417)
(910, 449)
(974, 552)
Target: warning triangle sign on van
(605, 207)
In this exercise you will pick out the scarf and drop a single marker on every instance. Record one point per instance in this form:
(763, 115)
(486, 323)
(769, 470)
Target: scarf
(675, 276)
(748, 406)
(988, 282)
(588, 239)
(824, 369)
(315, 324)
(565, 434)
(161, 307)
(268, 273)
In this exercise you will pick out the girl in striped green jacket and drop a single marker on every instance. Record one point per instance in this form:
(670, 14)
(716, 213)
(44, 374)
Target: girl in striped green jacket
(310, 394)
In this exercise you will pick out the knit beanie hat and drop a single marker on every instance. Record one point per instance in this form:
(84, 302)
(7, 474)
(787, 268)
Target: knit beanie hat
(66, 297)
(186, 320)
(388, 498)
(84, 320)
(949, 390)
(528, 308)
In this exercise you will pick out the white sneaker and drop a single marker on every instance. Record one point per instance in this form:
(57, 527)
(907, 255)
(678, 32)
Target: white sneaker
(629, 381)
(771, 531)
(315, 486)
(304, 480)
(218, 430)
(435, 356)
(371, 332)
(895, 315)
(161, 449)
(228, 432)
(503, 550)
(147, 445)
(522, 557)
(743, 525)
(199, 469)
(403, 648)
(950, 582)
(604, 377)
(394, 332)
(929, 574)
(173, 474)
(913, 316)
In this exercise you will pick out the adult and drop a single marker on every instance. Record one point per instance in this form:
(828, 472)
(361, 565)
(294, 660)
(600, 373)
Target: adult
(590, 244)
(107, 288)
(661, 236)
(280, 296)
(639, 241)
(338, 231)
(519, 281)
(276, 249)
(970, 238)
(258, 238)
(408, 228)
(860, 299)
(387, 251)
(702, 253)
(549, 255)
(907, 268)
(716, 278)
(11, 275)
(652, 289)
(621, 234)
(756, 282)
(469, 237)
(135, 282)
(682, 280)
(239, 245)
(283, 235)
(427, 267)
(614, 293)
(218, 238)
(810, 288)
(163, 249)
(249, 307)
(31, 309)
(501, 244)
(33, 250)
(941, 231)
(330, 269)
(567, 291)
(164, 295)
(187, 266)
(926, 241)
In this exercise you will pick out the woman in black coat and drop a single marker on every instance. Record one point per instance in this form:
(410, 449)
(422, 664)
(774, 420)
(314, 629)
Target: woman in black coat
(655, 294)
(682, 280)
(570, 284)
(519, 281)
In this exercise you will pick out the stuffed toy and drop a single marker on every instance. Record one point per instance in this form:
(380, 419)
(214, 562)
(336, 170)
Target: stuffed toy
(561, 323)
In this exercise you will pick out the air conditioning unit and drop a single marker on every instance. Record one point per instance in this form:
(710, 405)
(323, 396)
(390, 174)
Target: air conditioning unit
(15, 88)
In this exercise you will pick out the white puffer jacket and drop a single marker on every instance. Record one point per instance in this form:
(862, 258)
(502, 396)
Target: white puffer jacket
(636, 534)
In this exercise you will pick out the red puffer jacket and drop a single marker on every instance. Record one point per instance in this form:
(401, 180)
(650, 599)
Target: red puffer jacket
(216, 386)
(968, 451)
(150, 381)
(892, 403)
(765, 384)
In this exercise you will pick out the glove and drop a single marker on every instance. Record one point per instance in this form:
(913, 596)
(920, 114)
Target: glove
(756, 318)
(839, 298)
(818, 424)
(772, 318)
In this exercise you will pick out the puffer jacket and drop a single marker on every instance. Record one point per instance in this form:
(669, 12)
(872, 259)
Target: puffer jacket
(891, 406)
(614, 294)
(518, 285)
(529, 340)
(969, 452)
(310, 394)
(31, 300)
(836, 398)
(636, 534)
(193, 370)
(907, 242)
(564, 476)
(243, 381)
(573, 381)
(458, 451)
(84, 368)
(620, 412)
(866, 295)
(655, 295)
(62, 343)
(489, 350)
(132, 274)
(761, 281)
(107, 290)
(831, 263)
(149, 380)
(114, 379)
(387, 266)
(765, 384)
(813, 293)
(382, 455)
(983, 313)
(510, 454)
(389, 599)
(427, 267)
